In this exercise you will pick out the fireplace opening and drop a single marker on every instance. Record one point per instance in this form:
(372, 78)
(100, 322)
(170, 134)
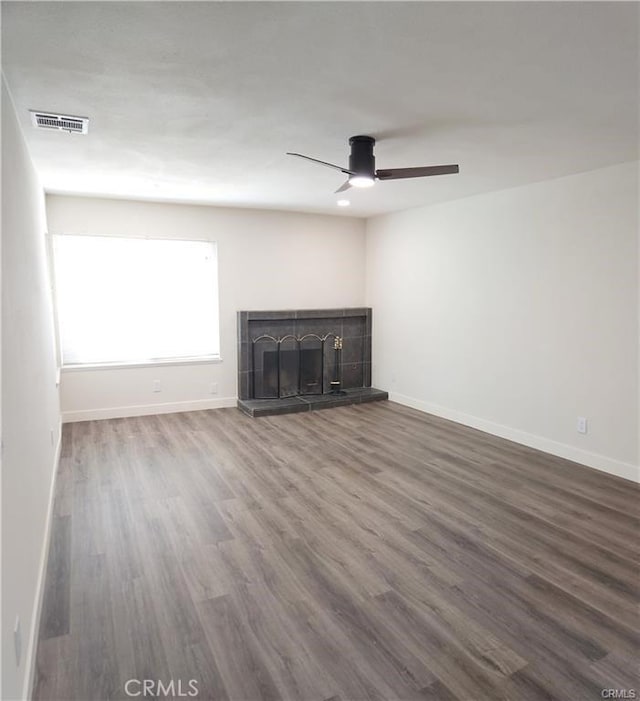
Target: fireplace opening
(289, 366)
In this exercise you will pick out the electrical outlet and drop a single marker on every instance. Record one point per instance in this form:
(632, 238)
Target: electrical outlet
(17, 640)
(213, 389)
(581, 425)
(157, 387)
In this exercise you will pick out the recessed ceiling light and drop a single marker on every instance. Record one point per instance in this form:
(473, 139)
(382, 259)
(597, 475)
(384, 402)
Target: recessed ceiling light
(343, 203)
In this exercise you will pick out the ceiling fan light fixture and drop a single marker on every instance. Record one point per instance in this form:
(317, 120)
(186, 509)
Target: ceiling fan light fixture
(361, 181)
(362, 166)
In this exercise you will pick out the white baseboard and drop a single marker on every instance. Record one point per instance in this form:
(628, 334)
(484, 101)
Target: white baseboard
(120, 412)
(562, 450)
(32, 643)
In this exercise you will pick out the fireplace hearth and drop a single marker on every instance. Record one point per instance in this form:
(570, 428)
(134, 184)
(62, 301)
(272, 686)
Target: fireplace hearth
(299, 360)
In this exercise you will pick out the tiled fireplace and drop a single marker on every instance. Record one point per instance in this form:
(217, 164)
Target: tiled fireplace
(300, 360)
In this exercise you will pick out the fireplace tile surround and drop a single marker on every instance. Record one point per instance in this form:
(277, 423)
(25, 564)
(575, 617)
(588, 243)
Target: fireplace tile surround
(352, 324)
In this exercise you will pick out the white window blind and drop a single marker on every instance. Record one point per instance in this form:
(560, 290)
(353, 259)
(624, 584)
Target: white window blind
(135, 300)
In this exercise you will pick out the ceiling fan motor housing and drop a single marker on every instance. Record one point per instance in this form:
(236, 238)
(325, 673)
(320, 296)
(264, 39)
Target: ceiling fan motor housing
(361, 160)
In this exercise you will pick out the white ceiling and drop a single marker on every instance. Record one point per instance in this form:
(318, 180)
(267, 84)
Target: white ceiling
(200, 101)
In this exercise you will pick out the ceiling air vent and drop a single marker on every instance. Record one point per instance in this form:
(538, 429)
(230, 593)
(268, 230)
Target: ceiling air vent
(59, 122)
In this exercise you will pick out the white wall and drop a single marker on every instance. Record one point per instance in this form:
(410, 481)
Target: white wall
(30, 413)
(267, 260)
(516, 312)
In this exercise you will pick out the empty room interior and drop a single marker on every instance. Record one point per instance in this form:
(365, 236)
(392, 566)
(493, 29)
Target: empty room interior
(320, 351)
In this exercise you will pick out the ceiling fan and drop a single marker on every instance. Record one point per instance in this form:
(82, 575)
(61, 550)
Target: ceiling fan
(362, 166)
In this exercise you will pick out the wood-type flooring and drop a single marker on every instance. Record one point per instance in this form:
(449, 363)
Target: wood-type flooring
(366, 552)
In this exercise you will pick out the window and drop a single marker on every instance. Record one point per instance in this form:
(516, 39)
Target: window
(128, 300)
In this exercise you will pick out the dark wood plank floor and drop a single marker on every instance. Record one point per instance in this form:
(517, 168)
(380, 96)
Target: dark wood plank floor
(366, 552)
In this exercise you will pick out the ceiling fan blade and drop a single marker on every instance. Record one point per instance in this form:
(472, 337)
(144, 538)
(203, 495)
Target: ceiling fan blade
(345, 186)
(322, 163)
(397, 173)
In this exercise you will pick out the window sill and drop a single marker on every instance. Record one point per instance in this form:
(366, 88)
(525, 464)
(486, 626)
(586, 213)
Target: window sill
(204, 360)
